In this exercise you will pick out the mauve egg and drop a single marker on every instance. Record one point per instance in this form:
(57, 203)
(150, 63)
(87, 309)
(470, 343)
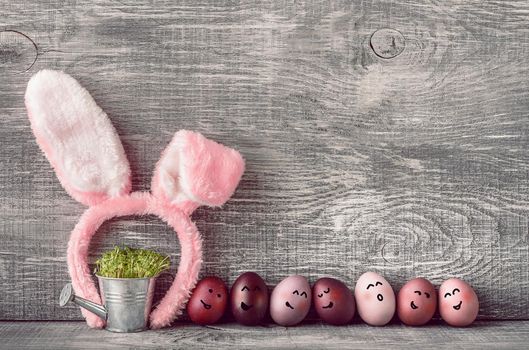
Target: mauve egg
(375, 299)
(290, 301)
(333, 301)
(208, 301)
(458, 303)
(416, 302)
(249, 299)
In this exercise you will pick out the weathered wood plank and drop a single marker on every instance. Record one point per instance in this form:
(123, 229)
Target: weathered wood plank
(18, 52)
(415, 165)
(75, 335)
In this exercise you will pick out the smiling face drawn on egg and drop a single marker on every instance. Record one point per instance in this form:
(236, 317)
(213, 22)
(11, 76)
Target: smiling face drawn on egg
(416, 302)
(323, 293)
(458, 303)
(296, 292)
(333, 301)
(208, 301)
(375, 299)
(290, 301)
(249, 299)
(456, 307)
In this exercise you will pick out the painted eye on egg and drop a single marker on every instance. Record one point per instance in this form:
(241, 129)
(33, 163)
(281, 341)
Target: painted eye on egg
(210, 290)
(245, 288)
(218, 295)
(302, 293)
(378, 283)
(425, 293)
(325, 291)
(447, 294)
(454, 291)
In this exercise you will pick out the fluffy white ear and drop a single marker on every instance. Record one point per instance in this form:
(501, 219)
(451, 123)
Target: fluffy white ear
(77, 138)
(197, 169)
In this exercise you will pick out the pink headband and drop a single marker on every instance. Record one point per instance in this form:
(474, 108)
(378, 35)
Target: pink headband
(84, 149)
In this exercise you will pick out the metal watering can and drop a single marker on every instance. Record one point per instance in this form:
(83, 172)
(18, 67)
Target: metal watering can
(127, 302)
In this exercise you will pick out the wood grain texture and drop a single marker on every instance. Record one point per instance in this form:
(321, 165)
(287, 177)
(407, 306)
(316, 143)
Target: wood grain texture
(76, 335)
(18, 52)
(411, 166)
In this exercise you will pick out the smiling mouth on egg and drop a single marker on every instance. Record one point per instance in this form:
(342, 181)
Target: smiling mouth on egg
(288, 305)
(331, 304)
(206, 306)
(413, 306)
(245, 307)
(458, 306)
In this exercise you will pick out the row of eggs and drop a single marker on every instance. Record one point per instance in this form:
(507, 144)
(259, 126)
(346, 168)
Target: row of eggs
(333, 301)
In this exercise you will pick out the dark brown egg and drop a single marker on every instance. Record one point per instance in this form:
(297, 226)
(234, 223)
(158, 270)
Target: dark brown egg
(249, 299)
(208, 301)
(333, 301)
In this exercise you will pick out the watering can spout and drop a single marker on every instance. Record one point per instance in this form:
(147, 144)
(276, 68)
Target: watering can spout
(67, 295)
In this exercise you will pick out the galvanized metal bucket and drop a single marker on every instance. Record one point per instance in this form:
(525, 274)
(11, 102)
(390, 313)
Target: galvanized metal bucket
(128, 302)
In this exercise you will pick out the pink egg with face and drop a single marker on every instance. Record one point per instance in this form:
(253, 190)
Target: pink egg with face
(416, 302)
(458, 303)
(375, 299)
(290, 301)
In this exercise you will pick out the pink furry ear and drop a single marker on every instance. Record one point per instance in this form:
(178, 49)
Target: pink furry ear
(77, 138)
(197, 169)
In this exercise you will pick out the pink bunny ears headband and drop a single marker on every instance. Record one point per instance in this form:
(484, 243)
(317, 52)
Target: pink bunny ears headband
(84, 149)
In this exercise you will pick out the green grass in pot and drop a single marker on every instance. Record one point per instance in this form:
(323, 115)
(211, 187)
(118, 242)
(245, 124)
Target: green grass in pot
(131, 263)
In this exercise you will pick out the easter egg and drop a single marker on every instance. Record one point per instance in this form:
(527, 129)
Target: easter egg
(458, 303)
(249, 299)
(290, 301)
(375, 299)
(333, 301)
(416, 302)
(208, 301)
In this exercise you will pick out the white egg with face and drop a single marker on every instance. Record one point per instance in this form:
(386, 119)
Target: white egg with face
(375, 299)
(290, 301)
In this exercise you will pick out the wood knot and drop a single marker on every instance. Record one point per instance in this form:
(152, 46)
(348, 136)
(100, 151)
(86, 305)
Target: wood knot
(18, 52)
(387, 43)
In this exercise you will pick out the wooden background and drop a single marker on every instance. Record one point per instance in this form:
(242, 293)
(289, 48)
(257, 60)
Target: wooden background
(415, 165)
